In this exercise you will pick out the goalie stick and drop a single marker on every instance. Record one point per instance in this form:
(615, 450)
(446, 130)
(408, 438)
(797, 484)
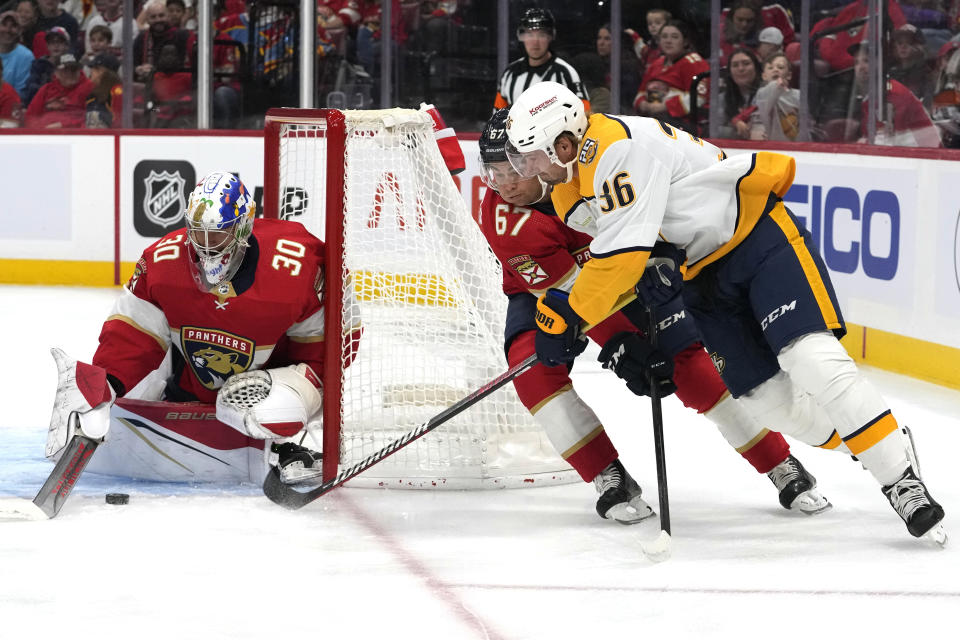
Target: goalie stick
(287, 496)
(58, 486)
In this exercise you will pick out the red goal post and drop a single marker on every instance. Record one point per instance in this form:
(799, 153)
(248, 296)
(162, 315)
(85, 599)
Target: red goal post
(415, 292)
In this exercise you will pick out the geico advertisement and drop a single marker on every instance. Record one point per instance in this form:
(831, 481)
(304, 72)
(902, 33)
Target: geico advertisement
(863, 222)
(158, 174)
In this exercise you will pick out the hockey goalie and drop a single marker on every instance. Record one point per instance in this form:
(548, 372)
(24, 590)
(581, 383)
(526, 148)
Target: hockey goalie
(208, 365)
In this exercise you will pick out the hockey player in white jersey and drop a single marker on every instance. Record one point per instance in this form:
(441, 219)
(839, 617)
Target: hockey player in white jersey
(753, 280)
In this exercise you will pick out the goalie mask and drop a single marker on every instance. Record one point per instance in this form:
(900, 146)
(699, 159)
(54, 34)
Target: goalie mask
(495, 170)
(539, 115)
(219, 221)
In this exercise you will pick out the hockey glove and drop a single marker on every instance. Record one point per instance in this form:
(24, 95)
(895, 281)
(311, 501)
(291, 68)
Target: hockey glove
(632, 358)
(83, 400)
(558, 339)
(276, 403)
(662, 280)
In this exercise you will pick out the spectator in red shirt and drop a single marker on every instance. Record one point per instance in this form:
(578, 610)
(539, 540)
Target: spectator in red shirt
(835, 48)
(665, 88)
(11, 109)
(62, 101)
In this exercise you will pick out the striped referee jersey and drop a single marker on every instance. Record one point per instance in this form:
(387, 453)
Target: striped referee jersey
(519, 76)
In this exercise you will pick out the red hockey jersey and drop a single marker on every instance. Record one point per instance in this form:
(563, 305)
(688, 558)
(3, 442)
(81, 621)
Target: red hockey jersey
(269, 315)
(672, 81)
(537, 250)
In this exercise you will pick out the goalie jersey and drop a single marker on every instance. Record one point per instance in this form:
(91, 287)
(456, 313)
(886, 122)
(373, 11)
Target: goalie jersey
(270, 314)
(640, 180)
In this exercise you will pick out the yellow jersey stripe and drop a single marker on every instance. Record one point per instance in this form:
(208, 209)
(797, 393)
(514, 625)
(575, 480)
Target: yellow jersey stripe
(584, 441)
(832, 442)
(810, 271)
(871, 433)
(753, 441)
(769, 173)
(604, 279)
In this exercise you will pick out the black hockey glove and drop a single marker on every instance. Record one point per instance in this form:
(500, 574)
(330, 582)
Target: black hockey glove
(661, 281)
(632, 358)
(558, 341)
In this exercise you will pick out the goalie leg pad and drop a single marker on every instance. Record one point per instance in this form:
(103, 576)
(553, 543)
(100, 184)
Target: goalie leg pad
(276, 403)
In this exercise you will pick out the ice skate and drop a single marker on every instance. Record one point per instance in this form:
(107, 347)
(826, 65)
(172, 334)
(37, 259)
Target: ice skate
(797, 487)
(297, 464)
(620, 496)
(922, 514)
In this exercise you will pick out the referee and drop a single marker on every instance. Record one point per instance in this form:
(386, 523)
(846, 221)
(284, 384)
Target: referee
(536, 32)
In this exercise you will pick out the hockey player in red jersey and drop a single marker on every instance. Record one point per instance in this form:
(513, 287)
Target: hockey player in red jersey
(538, 252)
(226, 311)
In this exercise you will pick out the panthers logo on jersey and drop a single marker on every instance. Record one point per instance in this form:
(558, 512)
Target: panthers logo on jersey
(215, 355)
(531, 272)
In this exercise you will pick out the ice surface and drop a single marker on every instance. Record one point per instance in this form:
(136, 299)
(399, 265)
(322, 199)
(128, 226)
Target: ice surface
(202, 562)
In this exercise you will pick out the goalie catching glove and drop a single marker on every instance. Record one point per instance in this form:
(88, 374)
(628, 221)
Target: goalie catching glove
(275, 403)
(632, 358)
(558, 340)
(83, 401)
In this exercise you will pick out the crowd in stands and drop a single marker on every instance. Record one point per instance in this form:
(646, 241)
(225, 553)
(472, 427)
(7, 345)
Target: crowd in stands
(62, 63)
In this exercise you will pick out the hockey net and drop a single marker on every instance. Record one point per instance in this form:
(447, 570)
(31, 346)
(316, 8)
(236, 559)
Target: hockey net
(415, 291)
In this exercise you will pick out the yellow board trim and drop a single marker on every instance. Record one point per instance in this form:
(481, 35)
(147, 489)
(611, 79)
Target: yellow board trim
(913, 357)
(874, 434)
(87, 273)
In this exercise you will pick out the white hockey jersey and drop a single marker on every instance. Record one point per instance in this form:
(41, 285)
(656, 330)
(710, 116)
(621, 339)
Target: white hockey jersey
(639, 179)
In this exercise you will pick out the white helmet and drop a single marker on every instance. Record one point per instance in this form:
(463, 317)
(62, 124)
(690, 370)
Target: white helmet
(219, 220)
(539, 115)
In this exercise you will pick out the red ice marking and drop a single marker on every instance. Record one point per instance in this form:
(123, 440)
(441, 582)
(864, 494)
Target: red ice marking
(443, 591)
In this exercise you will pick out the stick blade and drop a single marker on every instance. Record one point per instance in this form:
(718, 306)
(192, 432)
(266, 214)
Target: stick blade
(283, 494)
(20, 509)
(658, 549)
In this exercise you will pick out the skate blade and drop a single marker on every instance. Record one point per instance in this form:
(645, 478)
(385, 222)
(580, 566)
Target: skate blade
(810, 503)
(937, 535)
(630, 512)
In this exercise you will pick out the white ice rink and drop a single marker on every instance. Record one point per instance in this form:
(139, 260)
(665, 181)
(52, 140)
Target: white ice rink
(192, 562)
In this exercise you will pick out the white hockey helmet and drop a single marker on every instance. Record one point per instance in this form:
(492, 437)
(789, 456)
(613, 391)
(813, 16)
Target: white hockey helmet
(539, 115)
(219, 221)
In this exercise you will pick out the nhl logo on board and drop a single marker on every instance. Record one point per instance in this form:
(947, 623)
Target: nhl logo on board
(163, 200)
(215, 355)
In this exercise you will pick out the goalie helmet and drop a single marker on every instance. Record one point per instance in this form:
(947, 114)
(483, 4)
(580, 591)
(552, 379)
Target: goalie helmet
(539, 115)
(537, 19)
(219, 221)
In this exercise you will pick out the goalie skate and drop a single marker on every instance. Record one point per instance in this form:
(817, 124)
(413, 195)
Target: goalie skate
(297, 464)
(921, 513)
(620, 496)
(797, 487)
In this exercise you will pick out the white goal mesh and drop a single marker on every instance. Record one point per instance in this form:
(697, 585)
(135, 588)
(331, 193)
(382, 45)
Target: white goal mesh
(422, 286)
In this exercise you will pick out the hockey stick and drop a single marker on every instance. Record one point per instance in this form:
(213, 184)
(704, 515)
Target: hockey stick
(58, 486)
(658, 549)
(287, 496)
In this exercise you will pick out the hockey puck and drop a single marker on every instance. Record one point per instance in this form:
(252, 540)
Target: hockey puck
(118, 498)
